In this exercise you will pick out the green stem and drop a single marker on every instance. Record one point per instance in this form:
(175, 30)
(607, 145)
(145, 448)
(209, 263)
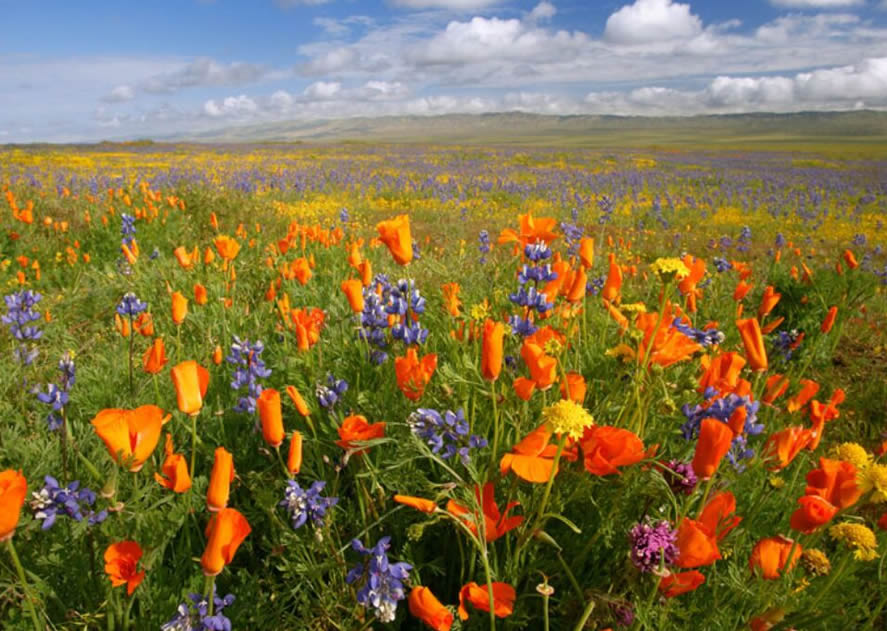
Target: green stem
(496, 430)
(585, 616)
(286, 470)
(571, 576)
(21, 576)
(193, 440)
(210, 595)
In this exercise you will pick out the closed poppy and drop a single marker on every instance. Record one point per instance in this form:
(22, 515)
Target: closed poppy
(427, 608)
(271, 416)
(130, 435)
(395, 234)
(298, 401)
(355, 429)
(850, 259)
(814, 512)
(414, 374)
(492, 351)
(606, 448)
(574, 388)
(688, 284)
(770, 556)
(226, 247)
(294, 458)
(718, 515)
(679, 583)
(174, 470)
(612, 288)
(13, 488)
(479, 597)
(154, 358)
(829, 320)
(586, 252)
(576, 290)
(451, 298)
(496, 524)
(543, 367)
(533, 458)
(200, 296)
(208, 256)
(741, 291)
(768, 301)
(144, 324)
(225, 532)
(781, 447)
(836, 481)
(715, 439)
(217, 355)
(821, 413)
(755, 353)
(353, 290)
(419, 503)
(121, 564)
(220, 480)
(191, 381)
(617, 316)
(697, 545)
(774, 388)
(122, 325)
(179, 307)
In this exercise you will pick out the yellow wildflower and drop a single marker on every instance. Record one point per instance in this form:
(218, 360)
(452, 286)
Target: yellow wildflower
(669, 269)
(874, 478)
(858, 537)
(854, 453)
(815, 562)
(567, 417)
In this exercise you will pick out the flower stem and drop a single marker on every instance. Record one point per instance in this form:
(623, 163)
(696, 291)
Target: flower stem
(193, 440)
(585, 615)
(210, 594)
(21, 576)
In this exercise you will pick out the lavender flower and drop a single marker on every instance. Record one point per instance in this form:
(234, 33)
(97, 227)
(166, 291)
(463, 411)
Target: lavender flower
(53, 500)
(20, 312)
(722, 409)
(483, 247)
(328, 395)
(250, 368)
(382, 580)
(447, 434)
(787, 342)
(130, 306)
(193, 616)
(709, 337)
(653, 545)
(680, 476)
(303, 504)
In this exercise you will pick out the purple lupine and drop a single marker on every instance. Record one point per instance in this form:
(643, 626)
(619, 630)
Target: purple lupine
(722, 409)
(382, 580)
(304, 504)
(130, 305)
(710, 337)
(653, 545)
(447, 434)
(484, 246)
(75, 502)
(249, 369)
(194, 615)
(328, 395)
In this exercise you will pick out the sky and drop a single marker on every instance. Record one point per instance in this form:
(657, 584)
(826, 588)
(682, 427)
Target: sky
(104, 69)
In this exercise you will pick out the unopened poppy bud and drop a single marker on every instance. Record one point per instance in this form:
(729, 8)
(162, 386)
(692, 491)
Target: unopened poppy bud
(544, 537)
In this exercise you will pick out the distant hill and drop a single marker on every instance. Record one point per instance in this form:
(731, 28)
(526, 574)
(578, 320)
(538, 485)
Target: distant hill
(865, 127)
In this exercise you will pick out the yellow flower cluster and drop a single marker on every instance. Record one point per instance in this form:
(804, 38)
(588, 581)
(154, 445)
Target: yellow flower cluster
(874, 478)
(858, 537)
(567, 417)
(815, 562)
(668, 269)
(854, 453)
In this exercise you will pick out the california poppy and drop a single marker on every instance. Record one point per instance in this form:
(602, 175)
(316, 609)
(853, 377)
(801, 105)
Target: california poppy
(419, 503)
(200, 296)
(496, 524)
(191, 381)
(294, 458)
(225, 532)
(130, 435)
(755, 353)
(217, 355)
(679, 583)
(715, 439)
(479, 597)
(543, 367)
(781, 447)
(184, 258)
(718, 515)
(808, 390)
(491, 353)
(154, 358)
(829, 320)
(308, 324)
(586, 252)
(606, 448)
(451, 299)
(532, 229)
(353, 290)
(122, 325)
(533, 457)
(298, 401)
(395, 234)
(356, 429)
(414, 374)
(427, 608)
(815, 511)
(774, 388)
(669, 344)
(179, 307)
(121, 563)
(226, 247)
(850, 259)
(768, 301)
(574, 388)
(741, 291)
(271, 416)
(697, 544)
(835, 481)
(144, 324)
(175, 470)
(13, 488)
(771, 555)
(613, 286)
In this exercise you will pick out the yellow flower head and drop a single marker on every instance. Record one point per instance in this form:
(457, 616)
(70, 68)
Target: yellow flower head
(776, 482)
(669, 269)
(853, 453)
(815, 562)
(874, 478)
(479, 311)
(567, 417)
(634, 307)
(858, 537)
(553, 347)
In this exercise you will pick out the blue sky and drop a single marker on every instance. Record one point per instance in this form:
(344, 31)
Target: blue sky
(100, 69)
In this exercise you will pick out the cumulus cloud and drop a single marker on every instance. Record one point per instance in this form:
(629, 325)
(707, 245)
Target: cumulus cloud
(542, 11)
(235, 106)
(119, 94)
(204, 72)
(651, 21)
(323, 90)
(816, 4)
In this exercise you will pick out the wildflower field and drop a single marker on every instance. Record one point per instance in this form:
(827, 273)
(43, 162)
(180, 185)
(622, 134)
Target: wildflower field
(432, 387)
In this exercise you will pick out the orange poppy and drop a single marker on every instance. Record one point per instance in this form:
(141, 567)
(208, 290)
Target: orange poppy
(532, 229)
(122, 324)
(353, 290)
(271, 416)
(679, 583)
(395, 234)
(533, 457)
(355, 429)
(130, 435)
(208, 256)
(121, 563)
(154, 358)
(715, 439)
(226, 247)
(722, 372)
(771, 555)
(669, 344)
(191, 381)
(427, 608)
(768, 301)
(613, 286)
(186, 259)
(414, 374)
(419, 503)
(781, 447)
(200, 296)
(175, 470)
(829, 320)
(697, 545)
(687, 285)
(13, 488)
(574, 388)
(225, 532)
(821, 413)
(496, 524)
(298, 401)
(850, 259)
(294, 458)
(543, 367)
(718, 515)
(451, 298)
(835, 481)
(586, 252)
(755, 353)
(491, 353)
(217, 355)
(617, 316)
(774, 388)
(144, 324)
(576, 290)
(308, 324)
(179, 307)
(741, 291)
(606, 448)
(220, 480)
(815, 511)
(808, 390)
(479, 597)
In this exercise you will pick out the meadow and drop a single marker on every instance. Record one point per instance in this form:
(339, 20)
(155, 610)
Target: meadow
(354, 386)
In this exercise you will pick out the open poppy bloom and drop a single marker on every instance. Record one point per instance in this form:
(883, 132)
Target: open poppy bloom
(186, 259)
(821, 413)
(532, 229)
(307, 324)
(225, 532)
(543, 367)
(722, 372)
(835, 481)
(669, 345)
(697, 544)
(606, 448)
(687, 285)
(294, 458)
(717, 515)
(427, 608)
(226, 247)
(479, 597)
(679, 583)
(130, 435)
(174, 469)
(781, 447)
(414, 374)
(770, 556)
(353, 290)
(13, 488)
(154, 358)
(814, 512)
(496, 524)
(492, 349)
(419, 503)
(191, 381)
(575, 387)
(355, 429)
(121, 563)
(808, 390)
(451, 298)
(715, 439)
(271, 416)
(533, 457)
(144, 324)
(395, 234)
(220, 480)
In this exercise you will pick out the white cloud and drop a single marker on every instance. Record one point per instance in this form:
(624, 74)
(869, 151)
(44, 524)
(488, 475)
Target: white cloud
(542, 11)
(204, 72)
(119, 94)
(648, 21)
(231, 106)
(452, 5)
(816, 4)
(323, 90)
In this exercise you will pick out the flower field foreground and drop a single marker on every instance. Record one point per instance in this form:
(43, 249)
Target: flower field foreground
(353, 387)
